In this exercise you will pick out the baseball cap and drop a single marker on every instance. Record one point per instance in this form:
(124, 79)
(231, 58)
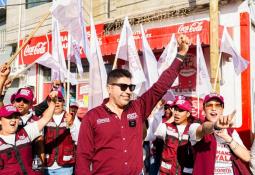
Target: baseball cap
(60, 96)
(25, 93)
(211, 96)
(183, 104)
(170, 103)
(8, 110)
(74, 104)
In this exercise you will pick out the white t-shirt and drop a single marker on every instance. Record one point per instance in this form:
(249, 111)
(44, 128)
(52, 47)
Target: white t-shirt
(25, 118)
(223, 164)
(162, 131)
(31, 129)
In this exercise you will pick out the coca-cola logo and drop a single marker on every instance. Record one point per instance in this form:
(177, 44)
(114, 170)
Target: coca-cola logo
(193, 27)
(38, 49)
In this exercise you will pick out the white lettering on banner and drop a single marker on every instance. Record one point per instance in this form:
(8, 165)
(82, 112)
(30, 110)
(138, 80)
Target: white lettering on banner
(39, 48)
(193, 27)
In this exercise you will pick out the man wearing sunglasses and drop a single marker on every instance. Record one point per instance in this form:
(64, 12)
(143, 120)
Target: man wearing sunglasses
(215, 141)
(110, 139)
(23, 101)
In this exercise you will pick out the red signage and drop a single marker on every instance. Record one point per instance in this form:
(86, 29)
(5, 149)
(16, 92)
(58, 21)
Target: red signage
(38, 46)
(157, 38)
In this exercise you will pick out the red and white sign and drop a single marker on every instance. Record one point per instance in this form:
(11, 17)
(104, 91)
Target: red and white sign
(157, 38)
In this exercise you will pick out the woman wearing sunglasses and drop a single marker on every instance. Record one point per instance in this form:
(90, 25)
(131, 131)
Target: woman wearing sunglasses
(15, 143)
(23, 101)
(110, 139)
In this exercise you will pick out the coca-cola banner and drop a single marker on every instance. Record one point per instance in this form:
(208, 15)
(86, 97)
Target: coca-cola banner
(38, 46)
(157, 38)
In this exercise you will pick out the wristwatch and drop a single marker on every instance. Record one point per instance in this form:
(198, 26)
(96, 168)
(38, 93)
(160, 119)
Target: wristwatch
(182, 57)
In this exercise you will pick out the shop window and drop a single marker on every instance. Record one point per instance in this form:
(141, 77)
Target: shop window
(46, 74)
(33, 3)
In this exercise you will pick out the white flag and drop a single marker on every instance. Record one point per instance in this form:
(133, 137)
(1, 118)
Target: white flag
(84, 40)
(48, 61)
(127, 51)
(74, 54)
(57, 52)
(97, 72)
(203, 85)
(168, 55)
(67, 12)
(228, 46)
(150, 63)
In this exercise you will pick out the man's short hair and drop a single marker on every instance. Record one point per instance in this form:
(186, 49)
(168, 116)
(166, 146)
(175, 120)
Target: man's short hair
(115, 74)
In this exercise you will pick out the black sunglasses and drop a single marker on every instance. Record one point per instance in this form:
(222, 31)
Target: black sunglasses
(124, 87)
(18, 100)
(60, 100)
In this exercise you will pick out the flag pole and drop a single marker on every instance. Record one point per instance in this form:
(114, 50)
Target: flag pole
(214, 42)
(198, 101)
(68, 72)
(12, 58)
(217, 73)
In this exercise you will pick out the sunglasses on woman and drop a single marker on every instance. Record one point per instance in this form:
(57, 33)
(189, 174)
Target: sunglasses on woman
(18, 100)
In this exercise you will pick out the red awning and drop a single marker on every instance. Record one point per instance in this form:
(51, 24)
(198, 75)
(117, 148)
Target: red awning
(157, 38)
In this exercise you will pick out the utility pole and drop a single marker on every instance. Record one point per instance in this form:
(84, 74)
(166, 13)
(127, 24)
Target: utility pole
(214, 43)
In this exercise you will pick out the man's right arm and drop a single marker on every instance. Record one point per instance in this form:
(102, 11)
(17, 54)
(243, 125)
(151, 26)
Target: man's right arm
(85, 147)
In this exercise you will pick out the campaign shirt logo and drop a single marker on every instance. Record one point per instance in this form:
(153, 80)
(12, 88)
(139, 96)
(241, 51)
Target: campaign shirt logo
(132, 116)
(103, 120)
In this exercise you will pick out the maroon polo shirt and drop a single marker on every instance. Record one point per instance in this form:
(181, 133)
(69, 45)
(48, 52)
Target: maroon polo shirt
(114, 146)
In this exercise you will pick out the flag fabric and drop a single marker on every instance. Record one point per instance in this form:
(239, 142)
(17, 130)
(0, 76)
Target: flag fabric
(97, 72)
(150, 62)
(84, 39)
(228, 46)
(168, 55)
(48, 61)
(67, 12)
(127, 51)
(57, 52)
(74, 54)
(203, 85)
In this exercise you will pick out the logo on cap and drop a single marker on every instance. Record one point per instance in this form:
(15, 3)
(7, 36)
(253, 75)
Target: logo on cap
(24, 92)
(10, 108)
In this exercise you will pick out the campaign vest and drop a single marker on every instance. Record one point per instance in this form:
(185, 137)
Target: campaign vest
(17, 159)
(176, 155)
(59, 145)
(206, 150)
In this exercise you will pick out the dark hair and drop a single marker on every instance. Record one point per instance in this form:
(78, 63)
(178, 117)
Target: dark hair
(115, 74)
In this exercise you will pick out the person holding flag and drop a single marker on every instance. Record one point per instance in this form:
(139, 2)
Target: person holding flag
(110, 138)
